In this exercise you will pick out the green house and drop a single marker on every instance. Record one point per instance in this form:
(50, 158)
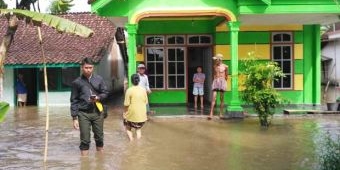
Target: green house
(173, 37)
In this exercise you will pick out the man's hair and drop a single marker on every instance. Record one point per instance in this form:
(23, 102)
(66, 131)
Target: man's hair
(87, 60)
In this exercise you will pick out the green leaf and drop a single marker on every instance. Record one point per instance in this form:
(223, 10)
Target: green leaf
(58, 23)
(4, 107)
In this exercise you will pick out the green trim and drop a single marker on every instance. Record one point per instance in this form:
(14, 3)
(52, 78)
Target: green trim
(289, 9)
(38, 86)
(132, 7)
(59, 87)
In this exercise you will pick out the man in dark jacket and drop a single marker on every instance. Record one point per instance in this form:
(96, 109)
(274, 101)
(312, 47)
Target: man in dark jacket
(86, 91)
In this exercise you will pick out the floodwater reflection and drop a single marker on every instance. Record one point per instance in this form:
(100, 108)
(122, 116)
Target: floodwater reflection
(167, 143)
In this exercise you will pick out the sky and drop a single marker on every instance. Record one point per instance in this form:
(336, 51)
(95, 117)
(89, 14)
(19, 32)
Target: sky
(79, 5)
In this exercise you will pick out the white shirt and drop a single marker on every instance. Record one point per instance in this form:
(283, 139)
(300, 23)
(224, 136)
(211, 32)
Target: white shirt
(144, 82)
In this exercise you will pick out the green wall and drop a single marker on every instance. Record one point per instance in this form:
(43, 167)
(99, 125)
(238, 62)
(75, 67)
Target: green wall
(176, 27)
(168, 97)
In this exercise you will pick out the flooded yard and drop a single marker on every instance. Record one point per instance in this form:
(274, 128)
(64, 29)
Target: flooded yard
(188, 143)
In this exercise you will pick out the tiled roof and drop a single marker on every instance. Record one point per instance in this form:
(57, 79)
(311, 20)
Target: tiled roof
(59, 47)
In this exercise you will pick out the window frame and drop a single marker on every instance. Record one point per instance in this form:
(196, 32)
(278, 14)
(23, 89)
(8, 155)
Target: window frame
(166, 46)
(184, 65)
(199, 39)
(149, 36)
(58, 78)
(281, 60)
(175, 44)
(163, 62)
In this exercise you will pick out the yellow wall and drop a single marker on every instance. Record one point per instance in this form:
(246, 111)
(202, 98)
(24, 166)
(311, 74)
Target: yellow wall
(298, 82)
(298, 51)
(262, 51)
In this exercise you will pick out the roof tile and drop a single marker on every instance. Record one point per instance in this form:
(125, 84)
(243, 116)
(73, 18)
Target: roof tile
(59, 47)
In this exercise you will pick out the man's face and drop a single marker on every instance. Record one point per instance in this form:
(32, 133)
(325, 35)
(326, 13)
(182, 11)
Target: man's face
(87, 70)
(218, 61)
(141, 70)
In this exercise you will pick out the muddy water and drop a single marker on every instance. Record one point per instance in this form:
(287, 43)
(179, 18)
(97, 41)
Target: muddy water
(167, 143)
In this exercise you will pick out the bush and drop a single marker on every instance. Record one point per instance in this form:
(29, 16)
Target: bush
(329, 152)
(259, 90)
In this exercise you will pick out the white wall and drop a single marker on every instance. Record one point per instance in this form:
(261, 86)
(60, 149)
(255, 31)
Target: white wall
(119, 80)
(55, 98)
(114, 77)
(8, 85)
(104, 69)
(332, 50)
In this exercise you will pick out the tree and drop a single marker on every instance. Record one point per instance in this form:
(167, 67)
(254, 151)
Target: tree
(3, 5)
(259, 90)
(60, 6)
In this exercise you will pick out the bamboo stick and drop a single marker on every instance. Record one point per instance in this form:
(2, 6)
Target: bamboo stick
(46, 96)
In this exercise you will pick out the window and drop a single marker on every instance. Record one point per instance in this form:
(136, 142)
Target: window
(155, 65)
(154, 40)
(59, 79)
(175, 39)
(176, 68)
(199, 39)
(68, 74)
(282, 51)
(166, 58)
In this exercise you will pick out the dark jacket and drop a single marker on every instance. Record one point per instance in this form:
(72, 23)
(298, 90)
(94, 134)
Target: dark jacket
(81, 92)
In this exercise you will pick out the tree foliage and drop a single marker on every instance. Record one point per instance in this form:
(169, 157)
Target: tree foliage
(60, 6)
(259, 91)
(4, 107)
(328, 151)
(3, 4)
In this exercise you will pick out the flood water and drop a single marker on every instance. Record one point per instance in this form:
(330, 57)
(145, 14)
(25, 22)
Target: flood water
(181, 143)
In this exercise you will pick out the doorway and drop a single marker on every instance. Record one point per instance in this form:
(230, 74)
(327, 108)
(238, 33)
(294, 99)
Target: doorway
(30, 80)
(199, 56)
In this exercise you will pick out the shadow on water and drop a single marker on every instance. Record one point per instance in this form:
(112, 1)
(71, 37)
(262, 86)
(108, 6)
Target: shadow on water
(167, 143)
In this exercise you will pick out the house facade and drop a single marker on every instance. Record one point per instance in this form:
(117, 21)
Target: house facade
(174, 37)
(63, 53)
